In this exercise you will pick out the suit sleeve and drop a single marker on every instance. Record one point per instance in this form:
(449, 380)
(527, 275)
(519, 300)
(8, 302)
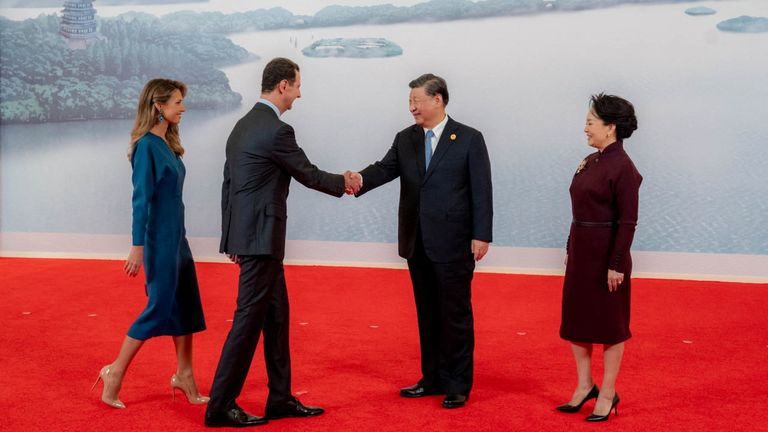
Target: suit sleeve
(225, 191)
(292, 159)
(144, 178)
(626, 189)
(225, 187)
(381, 172)
(482, 189)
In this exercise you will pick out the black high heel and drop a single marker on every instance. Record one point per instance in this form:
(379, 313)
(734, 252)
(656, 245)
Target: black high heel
(614, 408)
(568, 408)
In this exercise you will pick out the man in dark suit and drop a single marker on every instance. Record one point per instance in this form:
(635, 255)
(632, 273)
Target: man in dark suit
(444, 226)
(262, 157)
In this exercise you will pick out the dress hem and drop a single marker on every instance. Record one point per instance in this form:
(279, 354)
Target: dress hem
(583, 340)
(166, 334)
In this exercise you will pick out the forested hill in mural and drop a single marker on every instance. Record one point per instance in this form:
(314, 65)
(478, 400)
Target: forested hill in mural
(44, 80)
(447, 10)
(57, 3)
(429, 11)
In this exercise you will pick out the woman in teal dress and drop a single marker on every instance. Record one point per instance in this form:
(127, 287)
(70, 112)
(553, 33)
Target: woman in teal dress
(159, 242)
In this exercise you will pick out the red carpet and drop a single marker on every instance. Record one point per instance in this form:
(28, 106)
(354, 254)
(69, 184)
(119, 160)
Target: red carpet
(698, 360)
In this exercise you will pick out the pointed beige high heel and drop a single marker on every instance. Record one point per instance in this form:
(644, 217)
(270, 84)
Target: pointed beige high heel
(103, 374)
(187, 387)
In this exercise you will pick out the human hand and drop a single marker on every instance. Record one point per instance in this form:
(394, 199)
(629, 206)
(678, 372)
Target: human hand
(615, 279)
(353, 182)
(479, 249)
(234, 258)
(134, 260)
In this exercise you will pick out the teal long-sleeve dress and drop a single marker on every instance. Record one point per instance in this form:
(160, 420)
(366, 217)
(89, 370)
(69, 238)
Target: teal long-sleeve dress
(173, 306)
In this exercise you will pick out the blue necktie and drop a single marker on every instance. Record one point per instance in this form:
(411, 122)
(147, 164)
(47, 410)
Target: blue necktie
(428, 147)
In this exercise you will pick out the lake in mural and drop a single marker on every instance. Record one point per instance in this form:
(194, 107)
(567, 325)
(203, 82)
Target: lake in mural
(523, 79)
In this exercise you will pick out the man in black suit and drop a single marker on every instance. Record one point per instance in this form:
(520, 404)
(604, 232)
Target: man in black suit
(444, 226)
(262, 157)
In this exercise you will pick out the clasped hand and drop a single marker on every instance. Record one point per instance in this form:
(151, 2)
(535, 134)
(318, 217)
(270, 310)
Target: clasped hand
(353, 182)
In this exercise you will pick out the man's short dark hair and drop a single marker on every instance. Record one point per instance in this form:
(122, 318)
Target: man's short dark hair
(278, 69)
(432, 85)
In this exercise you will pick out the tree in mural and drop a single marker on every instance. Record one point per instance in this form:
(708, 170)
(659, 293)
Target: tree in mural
(42, 79)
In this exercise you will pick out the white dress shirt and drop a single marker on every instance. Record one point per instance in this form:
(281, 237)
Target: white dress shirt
(437, 130)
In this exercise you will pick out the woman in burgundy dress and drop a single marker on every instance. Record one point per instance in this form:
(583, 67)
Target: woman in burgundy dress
(596, 292)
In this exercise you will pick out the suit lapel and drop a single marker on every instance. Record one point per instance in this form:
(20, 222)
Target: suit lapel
(417, 137)
(442, 147)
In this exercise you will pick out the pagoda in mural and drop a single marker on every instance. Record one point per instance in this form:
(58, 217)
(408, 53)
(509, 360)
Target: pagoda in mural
(78, 23)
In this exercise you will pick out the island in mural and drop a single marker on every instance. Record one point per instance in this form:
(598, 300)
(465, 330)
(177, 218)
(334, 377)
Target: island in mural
(744, 24)
(353, 47)
(700, 11)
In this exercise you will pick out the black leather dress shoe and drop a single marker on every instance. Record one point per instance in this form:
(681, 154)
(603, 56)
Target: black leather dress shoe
(455, 400)
(292, 408)
(235, 417)
(418, 390)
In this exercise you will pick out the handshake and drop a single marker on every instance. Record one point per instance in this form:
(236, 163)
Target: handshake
(353, 182)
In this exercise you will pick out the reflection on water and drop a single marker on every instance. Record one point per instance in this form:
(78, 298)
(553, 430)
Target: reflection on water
(523, 81)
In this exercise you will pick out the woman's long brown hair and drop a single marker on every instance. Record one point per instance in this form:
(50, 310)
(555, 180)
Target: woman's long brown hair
(156, 90)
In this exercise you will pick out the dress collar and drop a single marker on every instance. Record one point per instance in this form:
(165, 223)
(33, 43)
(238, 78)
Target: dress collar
(616, 146)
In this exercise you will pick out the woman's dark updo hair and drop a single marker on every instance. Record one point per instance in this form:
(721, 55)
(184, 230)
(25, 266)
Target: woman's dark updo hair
(617, 111)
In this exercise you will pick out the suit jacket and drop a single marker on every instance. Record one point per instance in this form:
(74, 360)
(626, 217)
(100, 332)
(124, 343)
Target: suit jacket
(262, 156)
(449, 204)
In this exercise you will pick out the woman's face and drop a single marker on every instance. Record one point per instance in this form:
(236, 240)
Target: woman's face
(173, 109)
(598, 133)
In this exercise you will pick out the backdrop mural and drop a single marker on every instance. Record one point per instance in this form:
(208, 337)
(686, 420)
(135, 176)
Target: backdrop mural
(521, 71)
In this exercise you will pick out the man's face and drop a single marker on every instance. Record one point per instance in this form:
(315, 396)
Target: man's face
(292, 91)
(427, 110)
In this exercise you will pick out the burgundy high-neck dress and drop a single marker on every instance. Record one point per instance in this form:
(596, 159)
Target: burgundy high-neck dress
(604, 201)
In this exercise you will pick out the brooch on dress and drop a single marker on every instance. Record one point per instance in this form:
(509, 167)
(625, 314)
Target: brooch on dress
(581, 166)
